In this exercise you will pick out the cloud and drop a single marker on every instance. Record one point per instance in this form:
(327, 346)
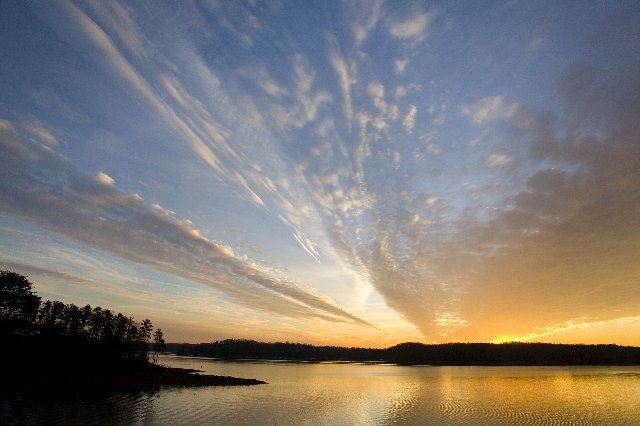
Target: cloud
(346, 77)
(434, 149)
(449, 323)
(40, 133)
(456, 248)
(410, 119)
(380, 120)
(234, 149)
(5, 125)
(400, 92)
(400, 65)
(38, 185)
(566, 239)
(367, 16)
(84, 28)
(548, 243)
(489, 109)
(119, 18)
(565, 326)
(410, 28)
(261, 77)
(105, 179)
(304, 103)
(376, 92)
(497, 160)
(236, 19)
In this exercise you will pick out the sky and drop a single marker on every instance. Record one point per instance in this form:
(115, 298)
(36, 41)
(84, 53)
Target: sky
(346, 173)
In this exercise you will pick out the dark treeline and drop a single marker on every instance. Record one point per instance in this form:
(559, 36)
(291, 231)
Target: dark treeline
(116, 336)
(52, 336)
(53, 347)
(420, 354)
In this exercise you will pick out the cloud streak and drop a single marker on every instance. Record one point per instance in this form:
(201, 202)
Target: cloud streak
(41, 186)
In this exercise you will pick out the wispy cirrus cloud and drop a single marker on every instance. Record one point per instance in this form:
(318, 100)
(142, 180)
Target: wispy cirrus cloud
(566, 326)
(40, 133)
(39, 185)
(346, 77)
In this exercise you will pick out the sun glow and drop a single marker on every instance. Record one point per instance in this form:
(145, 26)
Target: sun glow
(507, 339)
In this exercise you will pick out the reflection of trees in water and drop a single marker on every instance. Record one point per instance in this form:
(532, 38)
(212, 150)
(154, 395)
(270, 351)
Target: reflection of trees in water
(116, 408)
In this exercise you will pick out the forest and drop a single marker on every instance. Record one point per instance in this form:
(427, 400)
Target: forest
(52, 346)
(66, 333)
(419, 354)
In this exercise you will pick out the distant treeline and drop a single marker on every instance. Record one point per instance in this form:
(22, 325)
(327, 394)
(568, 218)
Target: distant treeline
(52, 335)
(420, 354)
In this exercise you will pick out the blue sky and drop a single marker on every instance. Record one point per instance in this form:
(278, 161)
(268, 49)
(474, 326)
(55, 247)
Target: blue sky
(354, 172)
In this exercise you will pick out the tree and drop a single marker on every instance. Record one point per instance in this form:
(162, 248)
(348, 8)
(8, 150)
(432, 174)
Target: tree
(144, 334)
(95, 324)
(18, 303)
(159, 344)
(107, 337)
(73, 320)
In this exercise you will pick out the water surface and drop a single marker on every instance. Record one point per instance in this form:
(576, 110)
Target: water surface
(365, 394)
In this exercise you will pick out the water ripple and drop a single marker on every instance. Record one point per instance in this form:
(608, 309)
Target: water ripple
(354, 394)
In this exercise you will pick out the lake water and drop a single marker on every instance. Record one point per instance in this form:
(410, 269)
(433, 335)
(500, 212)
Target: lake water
(365, 394)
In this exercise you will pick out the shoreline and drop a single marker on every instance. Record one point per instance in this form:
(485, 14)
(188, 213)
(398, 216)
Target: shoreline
(155, 378)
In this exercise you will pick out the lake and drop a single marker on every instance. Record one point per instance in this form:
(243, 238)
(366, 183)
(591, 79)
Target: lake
(305, 393)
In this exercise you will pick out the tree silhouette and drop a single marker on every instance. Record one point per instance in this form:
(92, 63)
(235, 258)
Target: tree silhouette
(18, 303)
(144, 334)
(159, 344)
(88, 334)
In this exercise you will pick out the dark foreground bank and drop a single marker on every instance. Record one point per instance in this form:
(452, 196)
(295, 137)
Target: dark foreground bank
(479, 354)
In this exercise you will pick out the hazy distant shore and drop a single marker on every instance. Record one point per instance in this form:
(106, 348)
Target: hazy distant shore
(460, 354)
